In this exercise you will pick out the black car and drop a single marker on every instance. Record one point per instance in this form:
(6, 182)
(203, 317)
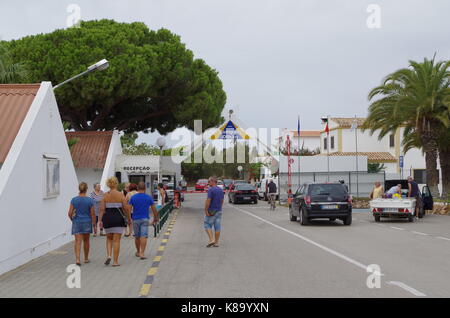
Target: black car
(243, 192)
(321, 200)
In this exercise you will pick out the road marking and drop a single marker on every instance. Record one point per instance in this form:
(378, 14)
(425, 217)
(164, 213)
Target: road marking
(147, 285)
(407, 288)
(397, 228)
(419, 233)
(329, 250)
(443, 238)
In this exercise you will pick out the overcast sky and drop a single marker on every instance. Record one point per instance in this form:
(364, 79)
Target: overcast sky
(277, 58)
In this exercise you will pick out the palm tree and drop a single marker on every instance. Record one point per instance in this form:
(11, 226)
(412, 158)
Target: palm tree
(10, 72)
(418, 99)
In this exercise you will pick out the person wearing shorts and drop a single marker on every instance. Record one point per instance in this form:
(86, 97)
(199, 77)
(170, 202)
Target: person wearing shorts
(213, 212)
(141, 203)
(82, 215)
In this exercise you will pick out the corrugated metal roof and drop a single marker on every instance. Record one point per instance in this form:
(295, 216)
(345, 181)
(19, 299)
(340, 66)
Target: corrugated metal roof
(15, 101)
(91, 149)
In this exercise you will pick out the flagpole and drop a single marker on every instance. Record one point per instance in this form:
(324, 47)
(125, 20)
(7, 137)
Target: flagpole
(356, 147)
(328, 148)
(298, 158)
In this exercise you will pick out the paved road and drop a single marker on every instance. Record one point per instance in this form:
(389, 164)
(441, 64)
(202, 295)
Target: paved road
(262, 254)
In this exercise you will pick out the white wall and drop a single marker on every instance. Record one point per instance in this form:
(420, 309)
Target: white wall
(109, 170)
(90, 176)
(319, 164)
(311, 143)
(33, 226)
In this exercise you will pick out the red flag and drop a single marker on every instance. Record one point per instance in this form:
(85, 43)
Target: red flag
(327, 130)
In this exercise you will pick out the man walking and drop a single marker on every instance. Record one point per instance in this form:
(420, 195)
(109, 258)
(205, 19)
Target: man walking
(414, 192)
(272, 191)
(141, 203)
(213, 212)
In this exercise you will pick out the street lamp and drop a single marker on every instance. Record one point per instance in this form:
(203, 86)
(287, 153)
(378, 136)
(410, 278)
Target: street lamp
(240, 170)
(100, 66)
(160, 142)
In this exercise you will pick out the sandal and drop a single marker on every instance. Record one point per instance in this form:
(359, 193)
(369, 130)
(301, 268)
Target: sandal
(115, 265)
(108, 261)
(137, 254)
(87, 261)
(210, 244)
(216, 245)
(78, 264)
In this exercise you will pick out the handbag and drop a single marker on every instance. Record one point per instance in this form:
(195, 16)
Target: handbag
(125, 220)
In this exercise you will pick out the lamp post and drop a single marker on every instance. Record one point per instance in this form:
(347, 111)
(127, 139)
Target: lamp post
(160, 142)
(100, 66)
(240, 171)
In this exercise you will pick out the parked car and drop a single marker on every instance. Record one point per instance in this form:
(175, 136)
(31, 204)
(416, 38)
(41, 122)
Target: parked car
(321, 201)
(403, 207)
(220, 184)
(201, 185)
(262, 188)
(243, 192)
(227, 183)
(236, 182)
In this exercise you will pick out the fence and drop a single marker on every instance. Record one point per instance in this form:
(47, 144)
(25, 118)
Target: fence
(359, 184)
(163, 214)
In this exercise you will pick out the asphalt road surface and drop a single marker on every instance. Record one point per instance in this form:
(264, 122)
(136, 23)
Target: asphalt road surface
(263, 254)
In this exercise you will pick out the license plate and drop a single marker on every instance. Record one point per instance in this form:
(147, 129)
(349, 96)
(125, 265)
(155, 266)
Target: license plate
(330, 207)
(391, 210)
(247, 198)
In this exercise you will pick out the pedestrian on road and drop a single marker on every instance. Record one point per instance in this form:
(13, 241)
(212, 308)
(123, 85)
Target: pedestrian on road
(126, 189)
(163, 193)
(213, 212)
(97, 196)
(141, 203)
(114, 217)
(133, 190)
(377, 191)
(82, 215)
(271, 191)
(414, 192)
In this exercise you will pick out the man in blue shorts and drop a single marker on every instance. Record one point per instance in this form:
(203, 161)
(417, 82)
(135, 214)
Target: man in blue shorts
(213, 212)
(141, 203)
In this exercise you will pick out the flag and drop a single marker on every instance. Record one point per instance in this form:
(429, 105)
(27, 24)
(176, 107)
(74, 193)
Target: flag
(327, 130)
(298, 127)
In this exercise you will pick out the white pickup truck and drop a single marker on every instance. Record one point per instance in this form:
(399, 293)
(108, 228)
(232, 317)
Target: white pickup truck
(400, 207)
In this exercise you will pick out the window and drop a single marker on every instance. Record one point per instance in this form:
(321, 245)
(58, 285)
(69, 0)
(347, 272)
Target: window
(325, 143)
(420, 176)
(332, 142)
(391, 141)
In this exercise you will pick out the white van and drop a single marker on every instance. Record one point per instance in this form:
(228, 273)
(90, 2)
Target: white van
(262, 188)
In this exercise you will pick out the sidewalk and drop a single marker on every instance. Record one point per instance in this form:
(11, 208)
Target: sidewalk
(46, 276)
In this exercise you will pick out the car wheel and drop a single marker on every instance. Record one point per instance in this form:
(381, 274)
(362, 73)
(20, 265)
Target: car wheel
(411, 218)
(256, 201)
(377, 218)
(332, 219)
(348, 220)
(303, 219)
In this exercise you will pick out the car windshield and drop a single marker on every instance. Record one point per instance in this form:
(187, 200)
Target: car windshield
(327, 189)
(244, 187)
(202, 181)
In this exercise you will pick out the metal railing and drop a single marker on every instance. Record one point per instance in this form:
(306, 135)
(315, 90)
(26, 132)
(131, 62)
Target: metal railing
(163, 214)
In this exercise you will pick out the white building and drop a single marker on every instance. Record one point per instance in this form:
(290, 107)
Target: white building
(387, 151)
(309, 139)
(94, 155)
(37, 177)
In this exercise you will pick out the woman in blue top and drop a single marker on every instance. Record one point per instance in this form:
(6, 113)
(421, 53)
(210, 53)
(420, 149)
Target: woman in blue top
(82, 215)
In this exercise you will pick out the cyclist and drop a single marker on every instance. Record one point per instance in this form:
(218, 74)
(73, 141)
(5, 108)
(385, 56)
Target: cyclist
(271, 192)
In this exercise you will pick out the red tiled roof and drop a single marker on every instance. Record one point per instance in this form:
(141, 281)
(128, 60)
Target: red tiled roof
(347, 122)
(307, 133)
(371, 156)
(15, 101)
(91, 149)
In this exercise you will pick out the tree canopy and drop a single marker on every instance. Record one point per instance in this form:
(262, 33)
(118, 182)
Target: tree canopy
(153, 82)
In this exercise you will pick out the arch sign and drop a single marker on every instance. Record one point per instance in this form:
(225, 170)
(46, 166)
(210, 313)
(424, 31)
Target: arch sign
(230, 131)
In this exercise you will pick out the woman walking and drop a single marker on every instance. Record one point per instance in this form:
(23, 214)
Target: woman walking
(97, 196)
(133, 190)
(163, 193)
(82, 215)
(114, 217)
